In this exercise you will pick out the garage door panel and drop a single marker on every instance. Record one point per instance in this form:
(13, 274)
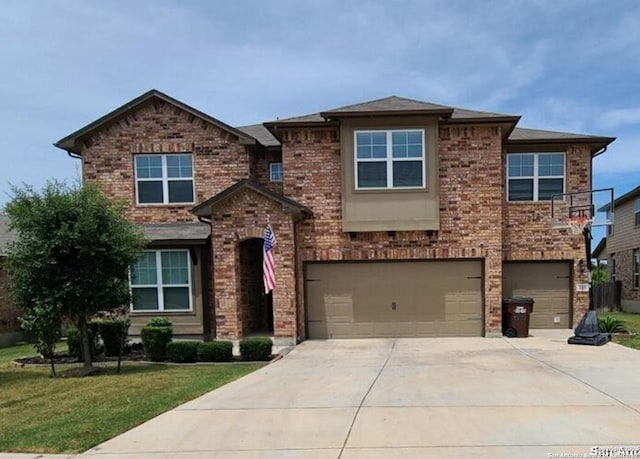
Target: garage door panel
(548, 284)
(394, 299)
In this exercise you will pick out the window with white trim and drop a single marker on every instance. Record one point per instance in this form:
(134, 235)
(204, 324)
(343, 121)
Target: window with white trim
(636, 212)
(389, 159)
(161, 281)
(535, 176)
(636, 268)
(275, 172)
(164, 179)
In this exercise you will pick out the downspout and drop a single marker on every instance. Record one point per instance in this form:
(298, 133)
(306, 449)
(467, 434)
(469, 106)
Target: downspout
(74, 155)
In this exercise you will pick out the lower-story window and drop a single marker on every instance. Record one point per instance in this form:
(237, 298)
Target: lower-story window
(161, 281)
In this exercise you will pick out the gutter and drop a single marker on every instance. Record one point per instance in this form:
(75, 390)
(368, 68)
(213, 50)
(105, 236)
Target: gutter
(599, 152)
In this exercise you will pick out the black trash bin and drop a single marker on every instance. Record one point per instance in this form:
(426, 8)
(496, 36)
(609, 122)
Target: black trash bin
(515, 316)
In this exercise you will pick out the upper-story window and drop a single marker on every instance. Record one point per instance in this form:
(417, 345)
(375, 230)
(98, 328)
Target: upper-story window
(636, 212)
(161, 281)
(534, 176)
(275, 172)
(609, 227)
(164, 179)
(389, 159)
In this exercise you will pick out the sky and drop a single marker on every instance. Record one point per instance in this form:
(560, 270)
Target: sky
(571, 65)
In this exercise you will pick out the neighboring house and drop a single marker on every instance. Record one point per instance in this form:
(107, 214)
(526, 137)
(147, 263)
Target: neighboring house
(393, 217)
(600, 252)
(8, 311)
(623, 248)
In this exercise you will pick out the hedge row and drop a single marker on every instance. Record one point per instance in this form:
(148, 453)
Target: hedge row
(251, 350)
(107, 336)
(158, 344)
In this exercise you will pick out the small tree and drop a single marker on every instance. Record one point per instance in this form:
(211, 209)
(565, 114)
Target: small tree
(599, 274)
(73, 253)
(43, 323)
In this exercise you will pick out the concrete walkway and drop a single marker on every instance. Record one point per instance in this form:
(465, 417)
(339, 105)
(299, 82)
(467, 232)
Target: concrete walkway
(408, 398)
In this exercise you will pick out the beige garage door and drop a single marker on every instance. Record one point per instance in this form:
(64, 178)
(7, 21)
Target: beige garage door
(387, 299)
(549, 284)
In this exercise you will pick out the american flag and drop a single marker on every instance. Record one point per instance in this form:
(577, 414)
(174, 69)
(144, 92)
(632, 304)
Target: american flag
(268, 270)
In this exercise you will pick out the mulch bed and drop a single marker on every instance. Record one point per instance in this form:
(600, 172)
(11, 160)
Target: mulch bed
(66, 358)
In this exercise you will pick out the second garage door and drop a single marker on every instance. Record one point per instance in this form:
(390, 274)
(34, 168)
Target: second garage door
(387, 299)
(549, 286)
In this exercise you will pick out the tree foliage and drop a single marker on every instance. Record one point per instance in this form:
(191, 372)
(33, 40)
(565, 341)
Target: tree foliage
(73, 253)
(599, 274)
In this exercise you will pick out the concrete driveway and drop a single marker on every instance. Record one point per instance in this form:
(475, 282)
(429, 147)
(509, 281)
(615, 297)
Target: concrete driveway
(409, 398)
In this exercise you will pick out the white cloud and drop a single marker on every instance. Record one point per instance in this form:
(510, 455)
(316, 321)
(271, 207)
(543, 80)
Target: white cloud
(622, 157)
(620, 117)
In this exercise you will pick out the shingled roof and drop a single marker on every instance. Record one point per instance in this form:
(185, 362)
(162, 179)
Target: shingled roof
(71, 142)
(395, 106)
(193, 233)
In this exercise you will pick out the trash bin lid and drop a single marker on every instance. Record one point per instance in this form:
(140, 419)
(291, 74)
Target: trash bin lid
(518, 299)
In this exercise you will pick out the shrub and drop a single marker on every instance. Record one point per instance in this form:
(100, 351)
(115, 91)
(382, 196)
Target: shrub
(113, 333)
(610, 324)
(73, 341)
(215, 351)
(182, 351)
(159, 322)
(155, 336)
(255, 348)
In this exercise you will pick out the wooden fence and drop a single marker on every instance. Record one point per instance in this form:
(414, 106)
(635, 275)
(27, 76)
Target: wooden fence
(607, 295)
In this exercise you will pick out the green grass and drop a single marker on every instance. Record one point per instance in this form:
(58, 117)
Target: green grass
(633, 323)
(41, 414)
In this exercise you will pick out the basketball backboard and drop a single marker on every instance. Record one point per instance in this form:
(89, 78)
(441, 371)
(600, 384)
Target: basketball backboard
(587, 208)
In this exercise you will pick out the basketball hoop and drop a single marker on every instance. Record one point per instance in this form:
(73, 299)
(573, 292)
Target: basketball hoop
(578, 223)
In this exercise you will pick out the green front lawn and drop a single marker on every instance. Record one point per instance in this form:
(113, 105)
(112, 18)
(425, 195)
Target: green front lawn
(633, 323)
(52, 415)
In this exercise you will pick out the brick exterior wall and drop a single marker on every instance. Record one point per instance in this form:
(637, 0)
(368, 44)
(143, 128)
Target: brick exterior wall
(470, 207)
(158, 127)
(528, 236)
(624, 273)
(240, 217)
(260, 161)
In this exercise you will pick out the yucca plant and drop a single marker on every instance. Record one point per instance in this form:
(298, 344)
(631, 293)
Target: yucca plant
(610, 324)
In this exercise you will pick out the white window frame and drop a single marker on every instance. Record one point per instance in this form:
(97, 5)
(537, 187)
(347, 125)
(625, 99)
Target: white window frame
(636, 212)
(536, 177)
(271, 178)
(165, 179)
(159, 285)
(389, 159)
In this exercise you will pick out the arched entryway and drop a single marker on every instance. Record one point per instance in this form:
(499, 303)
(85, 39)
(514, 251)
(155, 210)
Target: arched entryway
(256, 308)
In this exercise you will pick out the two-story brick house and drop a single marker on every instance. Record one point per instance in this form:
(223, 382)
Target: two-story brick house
(622, 248)
(393, 217)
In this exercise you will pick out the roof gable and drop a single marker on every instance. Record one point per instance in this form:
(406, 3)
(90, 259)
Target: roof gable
(204, 209)
(388, 106)
(395, 106)
(70, 142)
